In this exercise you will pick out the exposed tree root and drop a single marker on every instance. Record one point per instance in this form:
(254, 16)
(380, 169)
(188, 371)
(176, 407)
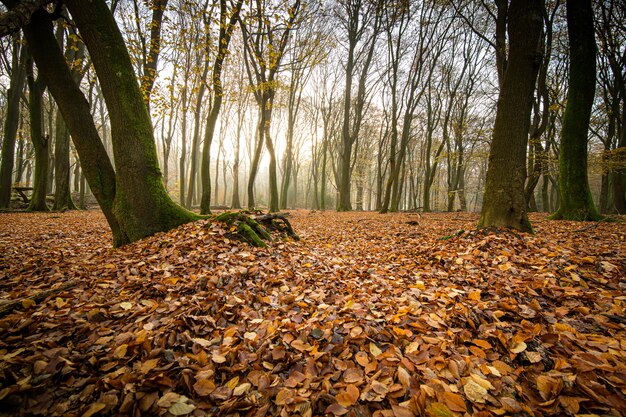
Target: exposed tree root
(255, 227)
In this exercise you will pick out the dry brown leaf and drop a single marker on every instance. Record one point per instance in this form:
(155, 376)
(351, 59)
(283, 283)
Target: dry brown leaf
(349, 396)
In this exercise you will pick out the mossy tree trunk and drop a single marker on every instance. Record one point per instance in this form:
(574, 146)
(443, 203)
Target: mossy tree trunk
(141, 206)
(619, 180)
(11, 120)
(75, 50)
(40, 142)
(62, 195)
(134, 201)
(576, 200)
(504, 203)
(76, 113)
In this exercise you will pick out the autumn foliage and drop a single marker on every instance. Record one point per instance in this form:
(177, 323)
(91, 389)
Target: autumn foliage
(367, 315)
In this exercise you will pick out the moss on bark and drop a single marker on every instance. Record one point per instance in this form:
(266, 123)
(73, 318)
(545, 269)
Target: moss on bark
(576, 201)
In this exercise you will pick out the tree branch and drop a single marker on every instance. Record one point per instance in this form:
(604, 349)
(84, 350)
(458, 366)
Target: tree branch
(18, 15)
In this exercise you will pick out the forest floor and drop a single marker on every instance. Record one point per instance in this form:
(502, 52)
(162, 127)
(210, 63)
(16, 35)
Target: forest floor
(367, 315)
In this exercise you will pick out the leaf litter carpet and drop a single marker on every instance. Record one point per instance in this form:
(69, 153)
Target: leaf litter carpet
(368, 315)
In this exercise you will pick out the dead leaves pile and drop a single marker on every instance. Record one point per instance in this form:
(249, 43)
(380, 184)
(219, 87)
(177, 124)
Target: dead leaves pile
(368, 315)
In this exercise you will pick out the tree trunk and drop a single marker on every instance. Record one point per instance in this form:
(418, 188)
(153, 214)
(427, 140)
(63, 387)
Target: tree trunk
(504, 204)
(40, 142)
(62, 196)
(151, 61)
(236, 203)
(19, 170)
(77, 115)
(11, 121)
(141, 205)
(576, 200)
(619, 179)
(225, 33)
(195, 142)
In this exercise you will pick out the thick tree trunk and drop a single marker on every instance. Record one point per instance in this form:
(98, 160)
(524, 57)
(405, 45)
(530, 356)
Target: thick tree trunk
(504, 203)
(141, 205)
(19, 160)
(576, 200)
(11, 121)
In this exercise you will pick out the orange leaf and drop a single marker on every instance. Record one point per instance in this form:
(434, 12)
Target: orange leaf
(348, 397)
(454, 402)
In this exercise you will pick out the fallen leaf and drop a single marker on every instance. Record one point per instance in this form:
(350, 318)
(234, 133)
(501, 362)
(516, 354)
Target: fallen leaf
(94, 409)
(475, 392)
(349, 396)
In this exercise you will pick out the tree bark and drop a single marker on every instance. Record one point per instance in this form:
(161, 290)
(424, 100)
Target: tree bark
(62, 195)
(11, 121)
(152, 60)
(619, 179)
(225, 34)
(504, 203)
(576, 201)
(77, 115)
(40, 142)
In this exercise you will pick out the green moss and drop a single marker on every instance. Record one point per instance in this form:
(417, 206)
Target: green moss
(249, 235)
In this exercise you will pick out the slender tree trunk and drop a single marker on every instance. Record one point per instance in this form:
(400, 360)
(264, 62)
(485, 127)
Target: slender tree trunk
(226, 31)
(504, 204)
(62, 196)
(152, 60)
(323, 177)
(269, 144)
(256, 158)
(182, 183)
(236, 203)
(19, 171)
(40, 142)
(576, 200)
(11, 121)
(619, 180)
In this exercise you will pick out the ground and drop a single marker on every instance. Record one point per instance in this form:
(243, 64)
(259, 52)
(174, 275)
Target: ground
(368, 314)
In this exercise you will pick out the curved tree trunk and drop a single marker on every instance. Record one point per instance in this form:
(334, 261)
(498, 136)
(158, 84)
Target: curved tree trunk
(77, 115)
(504, 203)
(141, 204)
(576, 200)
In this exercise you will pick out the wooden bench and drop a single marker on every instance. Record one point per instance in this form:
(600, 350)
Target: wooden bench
(22, 192)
